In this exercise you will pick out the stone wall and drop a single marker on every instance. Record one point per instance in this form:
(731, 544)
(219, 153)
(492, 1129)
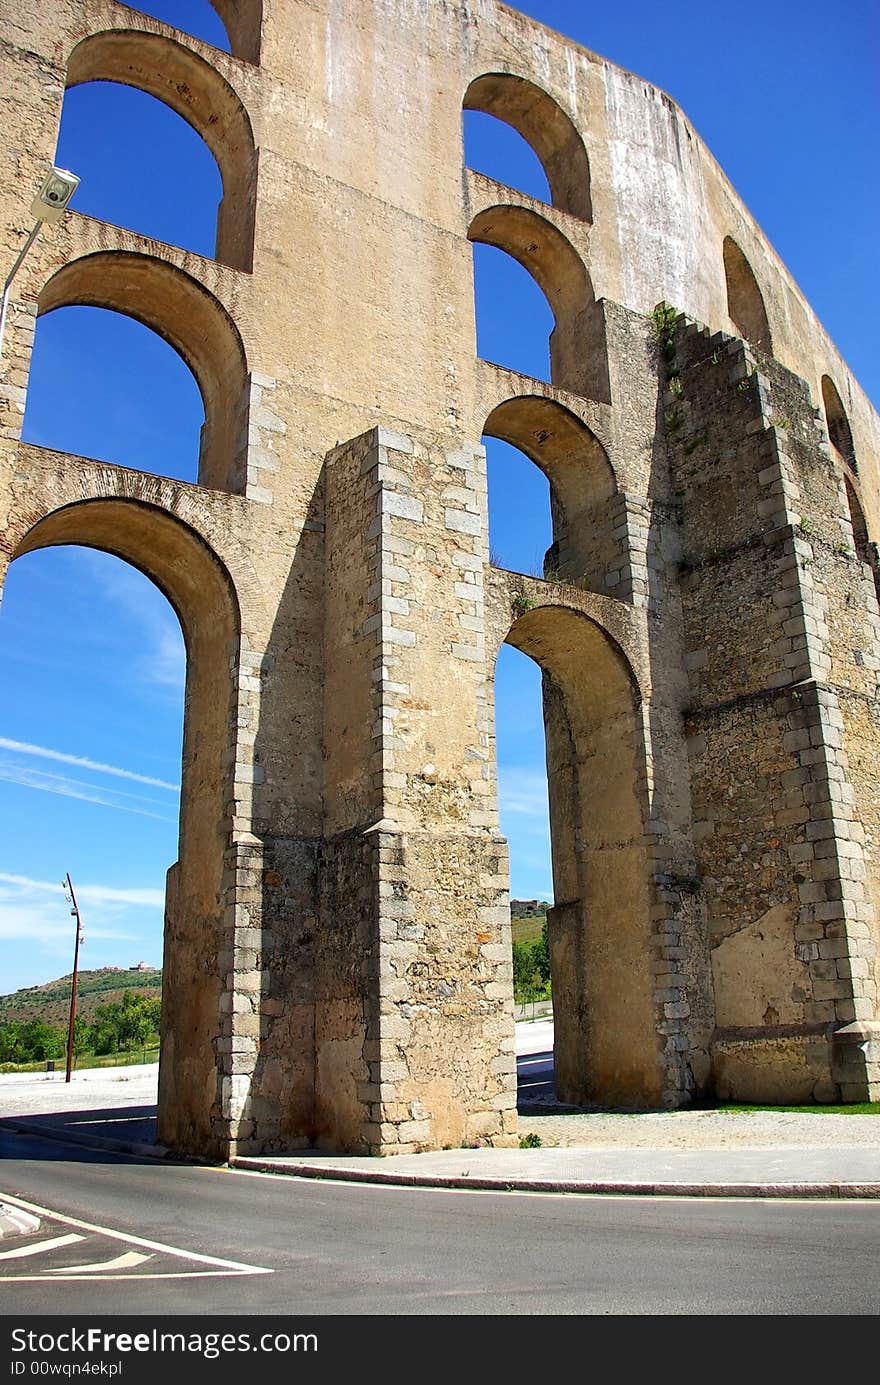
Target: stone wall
(337, 930)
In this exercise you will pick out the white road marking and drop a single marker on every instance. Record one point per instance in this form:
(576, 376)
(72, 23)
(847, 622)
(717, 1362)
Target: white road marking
(121, 1278)
(37, 1248)
(126, 1261)
(229, 1266)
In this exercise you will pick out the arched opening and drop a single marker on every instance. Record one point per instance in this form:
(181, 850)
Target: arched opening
(524, 820)
(92, 720)
(148, 171)
(582, 489)
(194, 90)
(514, 320)
(520, 510)
(837, 424)
(546, 128)
(497, 151)
(232, 25)
(866, 551)
(599, 927)
(243, 21)
(745, 305)
(859, 523)
(578, 358)
(198, 18)
(120, 369)
(192, 579)
(173, 305)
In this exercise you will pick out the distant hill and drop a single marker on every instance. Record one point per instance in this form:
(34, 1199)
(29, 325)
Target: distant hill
(51, 1002)
(527, 918)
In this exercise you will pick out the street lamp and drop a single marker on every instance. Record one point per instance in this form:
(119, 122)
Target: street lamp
(50, 204)
(67, 885)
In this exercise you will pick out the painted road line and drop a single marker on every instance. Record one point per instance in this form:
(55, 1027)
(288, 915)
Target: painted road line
(231, 1266)
(39, 1246)
(124, 1278)
(126, 1261)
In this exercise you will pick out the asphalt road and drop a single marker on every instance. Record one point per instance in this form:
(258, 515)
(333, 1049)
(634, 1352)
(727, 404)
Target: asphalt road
(334, 1248)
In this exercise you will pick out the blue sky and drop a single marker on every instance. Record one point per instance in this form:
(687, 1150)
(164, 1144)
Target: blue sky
(90, 714)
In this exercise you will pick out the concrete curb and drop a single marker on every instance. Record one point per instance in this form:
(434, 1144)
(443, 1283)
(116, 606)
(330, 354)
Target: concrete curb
(596, 1187)
(14, 1221)
(385, 1177)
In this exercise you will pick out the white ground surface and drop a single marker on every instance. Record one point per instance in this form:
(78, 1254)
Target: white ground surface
(23, 1094)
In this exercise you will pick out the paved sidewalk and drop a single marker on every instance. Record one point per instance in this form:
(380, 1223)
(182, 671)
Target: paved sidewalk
(771, 1154)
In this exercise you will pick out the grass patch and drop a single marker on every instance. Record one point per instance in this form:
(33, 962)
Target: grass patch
(858, 1108)
(89, 1060)
(528, 929)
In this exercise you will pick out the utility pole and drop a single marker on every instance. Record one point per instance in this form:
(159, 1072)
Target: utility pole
(68, 886)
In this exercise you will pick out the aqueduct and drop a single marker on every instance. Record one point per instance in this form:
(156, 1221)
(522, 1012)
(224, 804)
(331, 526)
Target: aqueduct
(337, 952)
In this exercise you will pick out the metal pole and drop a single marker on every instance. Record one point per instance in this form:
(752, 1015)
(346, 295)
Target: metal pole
(11, 275)
(75, 912)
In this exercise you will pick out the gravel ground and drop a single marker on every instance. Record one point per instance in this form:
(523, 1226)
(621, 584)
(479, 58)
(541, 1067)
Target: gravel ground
(704, 1130)
(35, 1094)
(96, 1089)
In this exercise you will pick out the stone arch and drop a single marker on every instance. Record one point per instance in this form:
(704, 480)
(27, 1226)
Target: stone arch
(190, 319)
(745, 303)
(582, 481)
(198, 586)
(243, 22)
(545, 126)
(578, 355)
(601, 946)
(837, 423)
(195, 90)
(866, 551)
(857, 516)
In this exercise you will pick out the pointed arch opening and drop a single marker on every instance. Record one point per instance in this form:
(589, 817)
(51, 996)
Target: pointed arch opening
(194, 581)
(192, 321)
(546, 128)
(578, 356)
(195, 91)
(745, 303)
(599, 928)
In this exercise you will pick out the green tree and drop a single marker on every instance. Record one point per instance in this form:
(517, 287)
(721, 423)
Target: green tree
(41, 1041)
(125, 1024)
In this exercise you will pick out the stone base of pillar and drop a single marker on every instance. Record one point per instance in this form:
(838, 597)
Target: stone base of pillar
(856, 1060)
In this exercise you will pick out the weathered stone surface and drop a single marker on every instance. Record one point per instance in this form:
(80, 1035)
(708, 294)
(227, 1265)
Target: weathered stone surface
(337, 937)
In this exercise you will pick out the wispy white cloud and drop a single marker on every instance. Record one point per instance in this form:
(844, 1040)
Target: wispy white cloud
(29, 778)
(96, 894)
(522, 792)
(162, 660)
(35, 921)
(82, 762)
(23, 922)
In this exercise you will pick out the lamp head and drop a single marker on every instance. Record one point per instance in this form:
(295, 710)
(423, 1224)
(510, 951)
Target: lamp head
(51, 201)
